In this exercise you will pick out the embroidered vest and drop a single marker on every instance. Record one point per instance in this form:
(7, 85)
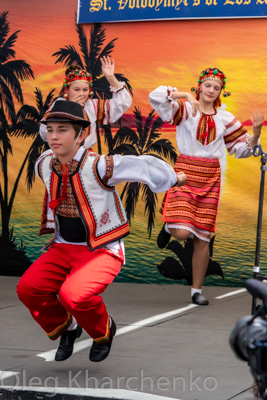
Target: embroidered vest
(99, 205)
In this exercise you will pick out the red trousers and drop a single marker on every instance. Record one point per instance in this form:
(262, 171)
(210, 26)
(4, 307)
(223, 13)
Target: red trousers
(66, 281)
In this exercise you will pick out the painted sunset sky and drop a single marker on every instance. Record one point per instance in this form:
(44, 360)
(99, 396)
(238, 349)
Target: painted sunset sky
(148, 53)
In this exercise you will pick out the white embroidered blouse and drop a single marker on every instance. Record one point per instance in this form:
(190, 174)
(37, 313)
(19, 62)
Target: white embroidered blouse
(203, 136)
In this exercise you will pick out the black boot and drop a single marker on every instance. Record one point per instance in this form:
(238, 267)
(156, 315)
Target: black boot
(100, 351)
(163, 238)
(67, 340)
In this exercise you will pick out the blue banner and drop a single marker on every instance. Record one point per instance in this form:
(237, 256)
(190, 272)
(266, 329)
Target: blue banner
(91, 11)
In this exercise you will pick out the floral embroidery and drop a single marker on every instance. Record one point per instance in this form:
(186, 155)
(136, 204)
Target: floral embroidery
(68, 207)
(109, 169)
(105, 218)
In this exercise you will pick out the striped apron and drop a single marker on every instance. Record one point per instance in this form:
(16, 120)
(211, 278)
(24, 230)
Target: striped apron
(195, 204)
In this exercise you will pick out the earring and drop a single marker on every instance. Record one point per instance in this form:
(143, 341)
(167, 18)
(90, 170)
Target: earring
(66, 96)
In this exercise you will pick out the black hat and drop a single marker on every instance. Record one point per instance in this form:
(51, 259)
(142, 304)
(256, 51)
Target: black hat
(66, 111)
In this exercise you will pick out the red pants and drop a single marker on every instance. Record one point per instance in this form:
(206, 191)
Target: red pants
(66, 281)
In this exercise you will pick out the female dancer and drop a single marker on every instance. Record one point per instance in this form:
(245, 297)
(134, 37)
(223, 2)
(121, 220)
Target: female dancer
(203, 130)
(77, 86)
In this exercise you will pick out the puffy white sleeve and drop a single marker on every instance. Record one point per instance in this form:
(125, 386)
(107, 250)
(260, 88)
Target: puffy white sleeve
(236, 137)
(109, 111)
(121, 101)
(171, 111)
(156, 173)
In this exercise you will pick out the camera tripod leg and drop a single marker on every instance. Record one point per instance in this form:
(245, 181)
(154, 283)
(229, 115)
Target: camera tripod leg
(256, 269)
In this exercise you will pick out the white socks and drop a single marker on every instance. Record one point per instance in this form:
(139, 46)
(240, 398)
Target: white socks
(193, 291)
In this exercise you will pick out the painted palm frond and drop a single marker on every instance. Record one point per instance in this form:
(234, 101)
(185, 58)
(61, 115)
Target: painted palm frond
(67, 55)
(36, 149)
(4, 29)
(12, 71)
(172, 269)
(131, 198)
(182, 252)
(26, 123)
(6, 44)
(126, 149)
(43, 104)
(25, 128)
(96, 49)
(124, 135)
(48, 101)
(154, 125)
(165, 149)
(83, 44)
(139, 125)
(181, 269)
(108, 140)
(150, 199)
(27, 111)
(5, 143)
(19, 69)
(6, 98)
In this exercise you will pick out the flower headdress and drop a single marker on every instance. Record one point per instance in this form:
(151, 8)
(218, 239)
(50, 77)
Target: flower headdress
(215, 74)
(77, 75)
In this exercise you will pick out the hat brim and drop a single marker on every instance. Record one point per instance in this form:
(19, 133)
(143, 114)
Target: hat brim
(84, 123)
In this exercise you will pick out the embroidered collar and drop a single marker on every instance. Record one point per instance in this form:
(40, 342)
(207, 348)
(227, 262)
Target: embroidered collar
(214, 113)
(77, 156)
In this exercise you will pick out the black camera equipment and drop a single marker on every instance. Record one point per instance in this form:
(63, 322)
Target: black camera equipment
(257, 151)
(248, 339)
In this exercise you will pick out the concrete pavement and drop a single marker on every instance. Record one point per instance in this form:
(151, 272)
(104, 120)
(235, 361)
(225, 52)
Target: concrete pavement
(165, 348)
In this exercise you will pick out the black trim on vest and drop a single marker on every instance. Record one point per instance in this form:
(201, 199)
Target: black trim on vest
(85, 153)
(98, 177)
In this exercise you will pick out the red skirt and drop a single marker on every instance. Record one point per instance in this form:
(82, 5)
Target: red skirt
(195, 203)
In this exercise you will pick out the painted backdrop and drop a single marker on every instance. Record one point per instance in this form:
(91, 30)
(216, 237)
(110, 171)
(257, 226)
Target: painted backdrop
(147, 54)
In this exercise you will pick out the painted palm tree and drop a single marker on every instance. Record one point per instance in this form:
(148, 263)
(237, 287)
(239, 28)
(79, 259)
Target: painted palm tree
(91, 50)
(27, 126)
(172, 269)
(24, 124)
(144, 140)
(12, 71)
